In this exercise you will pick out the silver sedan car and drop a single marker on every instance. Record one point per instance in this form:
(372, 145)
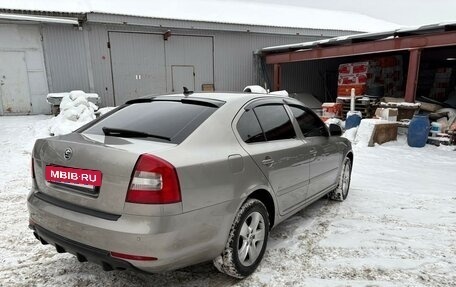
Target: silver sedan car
(168, 181)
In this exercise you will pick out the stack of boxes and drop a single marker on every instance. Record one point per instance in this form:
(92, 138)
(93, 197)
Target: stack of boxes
(385, 72)
(379, 77)
(356, 75)
(391, 75)
(441, 84)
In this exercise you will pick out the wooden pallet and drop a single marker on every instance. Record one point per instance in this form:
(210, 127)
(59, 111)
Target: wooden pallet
(366, 107)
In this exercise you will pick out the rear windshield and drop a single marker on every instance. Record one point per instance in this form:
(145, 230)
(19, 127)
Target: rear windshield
(169, 121)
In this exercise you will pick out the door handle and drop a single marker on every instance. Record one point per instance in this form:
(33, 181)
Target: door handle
(267, 161)
(313, 151)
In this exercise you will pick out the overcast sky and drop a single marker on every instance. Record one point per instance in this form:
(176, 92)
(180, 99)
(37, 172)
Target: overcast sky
(404, 12)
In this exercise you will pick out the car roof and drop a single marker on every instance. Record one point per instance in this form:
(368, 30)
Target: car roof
(225, 96)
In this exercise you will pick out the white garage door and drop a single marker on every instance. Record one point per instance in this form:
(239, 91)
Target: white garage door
(138, 65)
(14, 85)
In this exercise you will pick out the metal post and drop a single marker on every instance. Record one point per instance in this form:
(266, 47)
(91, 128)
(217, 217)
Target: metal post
(277, 77)
(412, 75)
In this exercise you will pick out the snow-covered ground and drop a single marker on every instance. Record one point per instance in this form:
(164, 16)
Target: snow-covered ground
(397, 227)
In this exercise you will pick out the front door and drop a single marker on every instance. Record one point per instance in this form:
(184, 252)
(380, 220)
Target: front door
(326, 157)
(14, 85)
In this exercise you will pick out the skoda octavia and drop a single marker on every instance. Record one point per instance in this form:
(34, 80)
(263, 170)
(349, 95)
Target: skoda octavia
(169, 181)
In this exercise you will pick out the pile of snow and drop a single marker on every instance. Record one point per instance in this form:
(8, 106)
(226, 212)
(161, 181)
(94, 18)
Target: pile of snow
(361, 135)
(56, 98)
(104, 110)
(335, 121)
(75, 111)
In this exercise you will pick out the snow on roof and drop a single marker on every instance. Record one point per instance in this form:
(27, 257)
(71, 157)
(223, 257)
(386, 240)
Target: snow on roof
(38, 18)
(372, 36)
(233, 12)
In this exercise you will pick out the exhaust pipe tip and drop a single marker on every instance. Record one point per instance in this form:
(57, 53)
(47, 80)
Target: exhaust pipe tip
(81, 258)
(106, 266)
(59, 249)
(44, 242)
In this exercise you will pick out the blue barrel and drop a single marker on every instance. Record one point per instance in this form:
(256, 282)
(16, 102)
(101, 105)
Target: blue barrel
(418, 131)
(353, 120)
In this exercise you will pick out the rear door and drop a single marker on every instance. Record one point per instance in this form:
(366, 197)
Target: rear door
(326, 157)
(270, 139)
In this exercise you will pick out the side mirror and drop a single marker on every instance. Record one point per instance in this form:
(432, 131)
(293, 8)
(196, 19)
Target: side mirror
(335, 130)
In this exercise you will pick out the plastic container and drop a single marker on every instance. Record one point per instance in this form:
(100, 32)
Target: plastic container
(353, 120)
(418, 131)
(436, 128)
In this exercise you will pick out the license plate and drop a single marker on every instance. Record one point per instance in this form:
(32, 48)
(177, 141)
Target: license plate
(76, 176)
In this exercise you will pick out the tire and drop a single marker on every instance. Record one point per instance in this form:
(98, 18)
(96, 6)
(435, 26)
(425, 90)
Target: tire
(247, 241)
(341, 191)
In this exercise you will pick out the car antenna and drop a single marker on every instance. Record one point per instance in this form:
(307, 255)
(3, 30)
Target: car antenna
(187, 92)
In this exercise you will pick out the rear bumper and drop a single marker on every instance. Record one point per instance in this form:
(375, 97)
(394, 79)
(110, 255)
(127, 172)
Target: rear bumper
(175, 240)
(83, 252)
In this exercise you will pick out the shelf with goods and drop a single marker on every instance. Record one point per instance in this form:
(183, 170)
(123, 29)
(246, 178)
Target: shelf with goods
(372, 79)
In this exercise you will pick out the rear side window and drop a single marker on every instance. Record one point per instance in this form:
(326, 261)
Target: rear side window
(310, 124)
(275, 122)
(173, 120)
(249, 129)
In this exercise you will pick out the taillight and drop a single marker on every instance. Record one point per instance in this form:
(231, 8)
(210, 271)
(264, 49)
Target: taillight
(32, 166)
(154, 181)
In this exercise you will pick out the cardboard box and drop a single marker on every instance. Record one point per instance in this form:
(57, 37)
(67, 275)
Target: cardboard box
(441, 84)
(345, 69)
(443, 71)
(387, 114)
(345, 90)
(387, 62)
(362, 78)
(383, 132)
(356, 68)
(361, 67)
(347, 79)
(331, 110)
(437, 93)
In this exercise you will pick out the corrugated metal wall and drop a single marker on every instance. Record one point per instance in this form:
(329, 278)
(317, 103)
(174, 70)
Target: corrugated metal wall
(66, 54)
(318, 77)
(66, 58)
(25, 39)
(234, 65)
(138, 65)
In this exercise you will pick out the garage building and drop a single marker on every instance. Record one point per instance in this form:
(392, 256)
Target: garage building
(123, 52)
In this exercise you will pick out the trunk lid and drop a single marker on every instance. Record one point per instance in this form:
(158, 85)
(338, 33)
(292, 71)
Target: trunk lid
(114, 157)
